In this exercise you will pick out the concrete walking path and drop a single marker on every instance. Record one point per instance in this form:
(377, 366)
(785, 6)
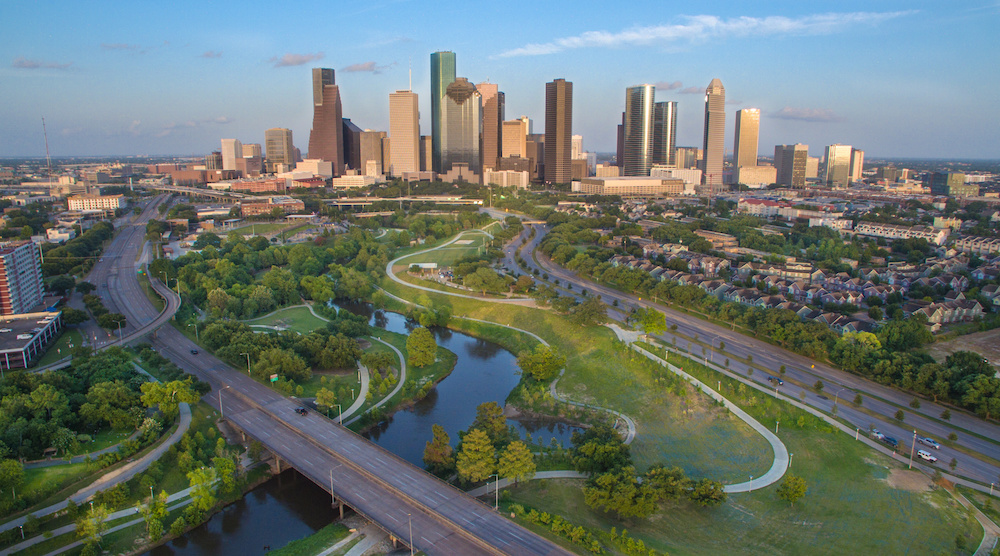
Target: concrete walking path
(373, 535)
(504, 483)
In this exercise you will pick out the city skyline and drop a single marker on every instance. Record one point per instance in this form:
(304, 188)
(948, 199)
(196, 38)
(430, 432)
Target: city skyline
(852, 77)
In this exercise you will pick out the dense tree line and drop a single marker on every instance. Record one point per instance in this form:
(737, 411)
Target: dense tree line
(79, 254)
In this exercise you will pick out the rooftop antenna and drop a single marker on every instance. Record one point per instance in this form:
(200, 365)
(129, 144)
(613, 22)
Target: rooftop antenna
(410, 65)
(48, 160)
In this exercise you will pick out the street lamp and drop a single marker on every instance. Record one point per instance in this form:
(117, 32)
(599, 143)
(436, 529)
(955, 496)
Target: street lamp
(837, 396)
(222, 413)
(496, 492)
(409, 518)
(120, 339)
(196, 337)
(248, 362)
(790, 455)
(751, 484)
(340, 414)
(913, 446)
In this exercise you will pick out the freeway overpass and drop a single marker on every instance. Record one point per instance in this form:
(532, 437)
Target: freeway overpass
(227, 196)
(345, 202)
(376, 483)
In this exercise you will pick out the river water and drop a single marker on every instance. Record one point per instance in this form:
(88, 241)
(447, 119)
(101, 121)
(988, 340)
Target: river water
(290, 506)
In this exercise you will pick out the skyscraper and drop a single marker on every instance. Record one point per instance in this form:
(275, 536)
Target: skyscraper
(790, 163)
(558, 131)
(278, 147)
(515, 137)
(462, 115)
(493, 115)
(838, 165)
(747, 132)
(638, 130)
(442, 75)
(21, 285)
(231, 150)
(370, 153)
(404, 129)
(665, 133)
(857, 165)
(714, 145)
(326, 138)
(352, 145)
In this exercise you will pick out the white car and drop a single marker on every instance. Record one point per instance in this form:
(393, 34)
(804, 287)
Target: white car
(924, 454)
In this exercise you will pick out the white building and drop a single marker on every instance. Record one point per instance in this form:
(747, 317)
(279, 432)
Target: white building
(60, 235)
(756, 176)
(507, 178)
(96, 202)
(893, 231)
(353, 181)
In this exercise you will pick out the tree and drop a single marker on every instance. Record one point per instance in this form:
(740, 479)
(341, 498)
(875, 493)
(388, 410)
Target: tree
(154, 513)
(112, 402)
(74, 316)
(858, 400)
(542, 364)
(516, 462)
(203, 487)
(11, 475)
(620, 492)
(818, 386)
(792, 489)
(599, 449)
(61, 284)
(326, 399)
(421, 347)
(439, 457)
(85, 287)
(282, 362)
(490, 419)
(91, 526)
(111, 321)
(167, 396)
(669, 483)
(875, 313)
(590, 313)
(651, 320)
(476, 459)
(225, 470)
(982, 395)
(707, 492)
(900, 415)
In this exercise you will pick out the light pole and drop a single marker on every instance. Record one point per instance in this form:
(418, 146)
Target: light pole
(120, 339)
(496, 492)
(352, 393)
(340, 414)
(196, 337)
(913, 446)
(409, 518)
(751, 484)
(837, 396)
(248, 362)
(222, 413)
(790, 455)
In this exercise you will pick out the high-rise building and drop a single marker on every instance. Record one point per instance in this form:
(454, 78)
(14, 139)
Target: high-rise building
(688, 157)
(747, 132)
(326, 138)
(620, 146)
(665, 133)
(462, 116)
(812, 168)
(352, 145)
(370, 153)
(442, 75)
(231, 150)
(857, 165)
(279, 148)
(404, 129)
(576, 149)
(426, 152)
(21, 283)
(536, 155)
(558, 131)
(714, 144)
(790, 164)
(493, 115)
(515, 137)
(952, 184)
(838, 165)
(638, 130)
(252, 149)
(213, 161)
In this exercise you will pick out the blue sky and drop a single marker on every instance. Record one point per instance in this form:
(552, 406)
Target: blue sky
(895, 78)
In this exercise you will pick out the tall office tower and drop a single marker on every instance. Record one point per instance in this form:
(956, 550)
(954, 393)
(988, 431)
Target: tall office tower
(714, 145)
(326, 138)
(812, 168)
(279, 148)
(857, 164)
(638, 130)
(493, 115)
(21, 284)
(838, 165)
(688, 157)
(386, 152)
(213, 161)
(515, 137)
(231, 150)
(665, 133)
(442, 75)
(352, 145)
(252, 149)
(426, 150)
(536, 155)
(620, 149)
(558, 131)
(462, 116)
(370, 152)
(747, 132)
(576, 150)
(790, 163)
(404, 129)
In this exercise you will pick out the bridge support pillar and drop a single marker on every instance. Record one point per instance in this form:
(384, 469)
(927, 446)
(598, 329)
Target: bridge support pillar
(394, 541)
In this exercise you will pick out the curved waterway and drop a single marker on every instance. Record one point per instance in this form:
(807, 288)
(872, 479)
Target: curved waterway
(290, 507)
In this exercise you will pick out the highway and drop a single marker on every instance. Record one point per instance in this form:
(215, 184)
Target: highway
(369, 479)
(800, 375)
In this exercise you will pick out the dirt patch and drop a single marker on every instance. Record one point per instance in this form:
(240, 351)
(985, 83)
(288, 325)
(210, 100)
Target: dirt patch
(364, 344)
(913, 481)
(986, 344)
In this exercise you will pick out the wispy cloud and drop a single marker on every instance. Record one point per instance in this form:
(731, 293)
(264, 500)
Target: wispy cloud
(291, 59)
(668, 86)
(368, 66)
(806, 114)
(120, 46)
(211, 54)
(700, 28)
(692, 91)
(24, 63)
(190, 124)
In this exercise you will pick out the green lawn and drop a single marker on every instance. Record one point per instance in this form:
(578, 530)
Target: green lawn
(315, 543)
(298, 319)
(262, 228)
(60, 348)
(446, 256)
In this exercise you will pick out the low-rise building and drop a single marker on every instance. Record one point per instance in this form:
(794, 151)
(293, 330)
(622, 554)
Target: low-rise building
(95, 202)
(23, 337)
(894, 231)
(287, 205)
(59, 234)
(507, 178)
(720, 242)
(978, 245)
(631, 186)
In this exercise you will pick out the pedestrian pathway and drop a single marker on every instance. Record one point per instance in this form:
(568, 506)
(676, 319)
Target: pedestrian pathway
(370, 535)
(504, 483)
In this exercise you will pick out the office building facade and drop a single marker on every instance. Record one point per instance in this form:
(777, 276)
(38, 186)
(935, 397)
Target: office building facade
(326, 138)
(790, 164)
(747, 133)
(279, 148)
(515, 137)
(462, 115)
(638, 130)
(838, 165)
(404, 131)
(21, 285)
(493, 115)
(442, 75)
(665, 133)
(558, 131)
(857, 165)
(714, 143)
(231, 150)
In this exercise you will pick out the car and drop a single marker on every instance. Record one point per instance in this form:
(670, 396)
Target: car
(775, 380)
(929, 442)
(876, 434)
(301, 410)
(924, 454)
(890, 441)
(194, 352)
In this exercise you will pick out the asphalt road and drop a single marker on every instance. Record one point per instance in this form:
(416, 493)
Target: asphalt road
(368, 478)
(800, 375)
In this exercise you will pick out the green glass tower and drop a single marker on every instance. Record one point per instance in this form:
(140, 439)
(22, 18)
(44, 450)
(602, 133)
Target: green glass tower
(442, 75)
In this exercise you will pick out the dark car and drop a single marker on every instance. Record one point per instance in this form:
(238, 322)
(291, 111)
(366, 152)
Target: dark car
(775, 380)
(194, 352)
(301, 410)
(892, 442)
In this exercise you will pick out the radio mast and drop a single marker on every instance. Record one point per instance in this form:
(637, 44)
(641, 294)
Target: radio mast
(48, 159)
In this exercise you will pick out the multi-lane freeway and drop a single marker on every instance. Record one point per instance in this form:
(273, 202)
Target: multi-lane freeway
(880, 402)
(401, 498)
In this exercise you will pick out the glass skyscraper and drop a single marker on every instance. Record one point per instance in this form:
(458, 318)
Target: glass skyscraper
(442, 75)
(638, 130)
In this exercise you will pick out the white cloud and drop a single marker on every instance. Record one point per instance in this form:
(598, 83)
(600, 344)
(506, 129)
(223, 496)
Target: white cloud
(24, 63)
(211, 54)
(291, 59)
(668, 86)
(367, 67)
(700, 28)
(806, 114)
(692, 91)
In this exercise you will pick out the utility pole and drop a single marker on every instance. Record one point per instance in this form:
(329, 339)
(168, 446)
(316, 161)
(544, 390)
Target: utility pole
(913, 446)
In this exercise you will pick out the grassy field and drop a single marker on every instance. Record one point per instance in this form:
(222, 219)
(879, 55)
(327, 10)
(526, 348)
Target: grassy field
(262, 228)
(446, 256)
(298, 319)
(315, 543)
(151, 294)
(61, 348)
